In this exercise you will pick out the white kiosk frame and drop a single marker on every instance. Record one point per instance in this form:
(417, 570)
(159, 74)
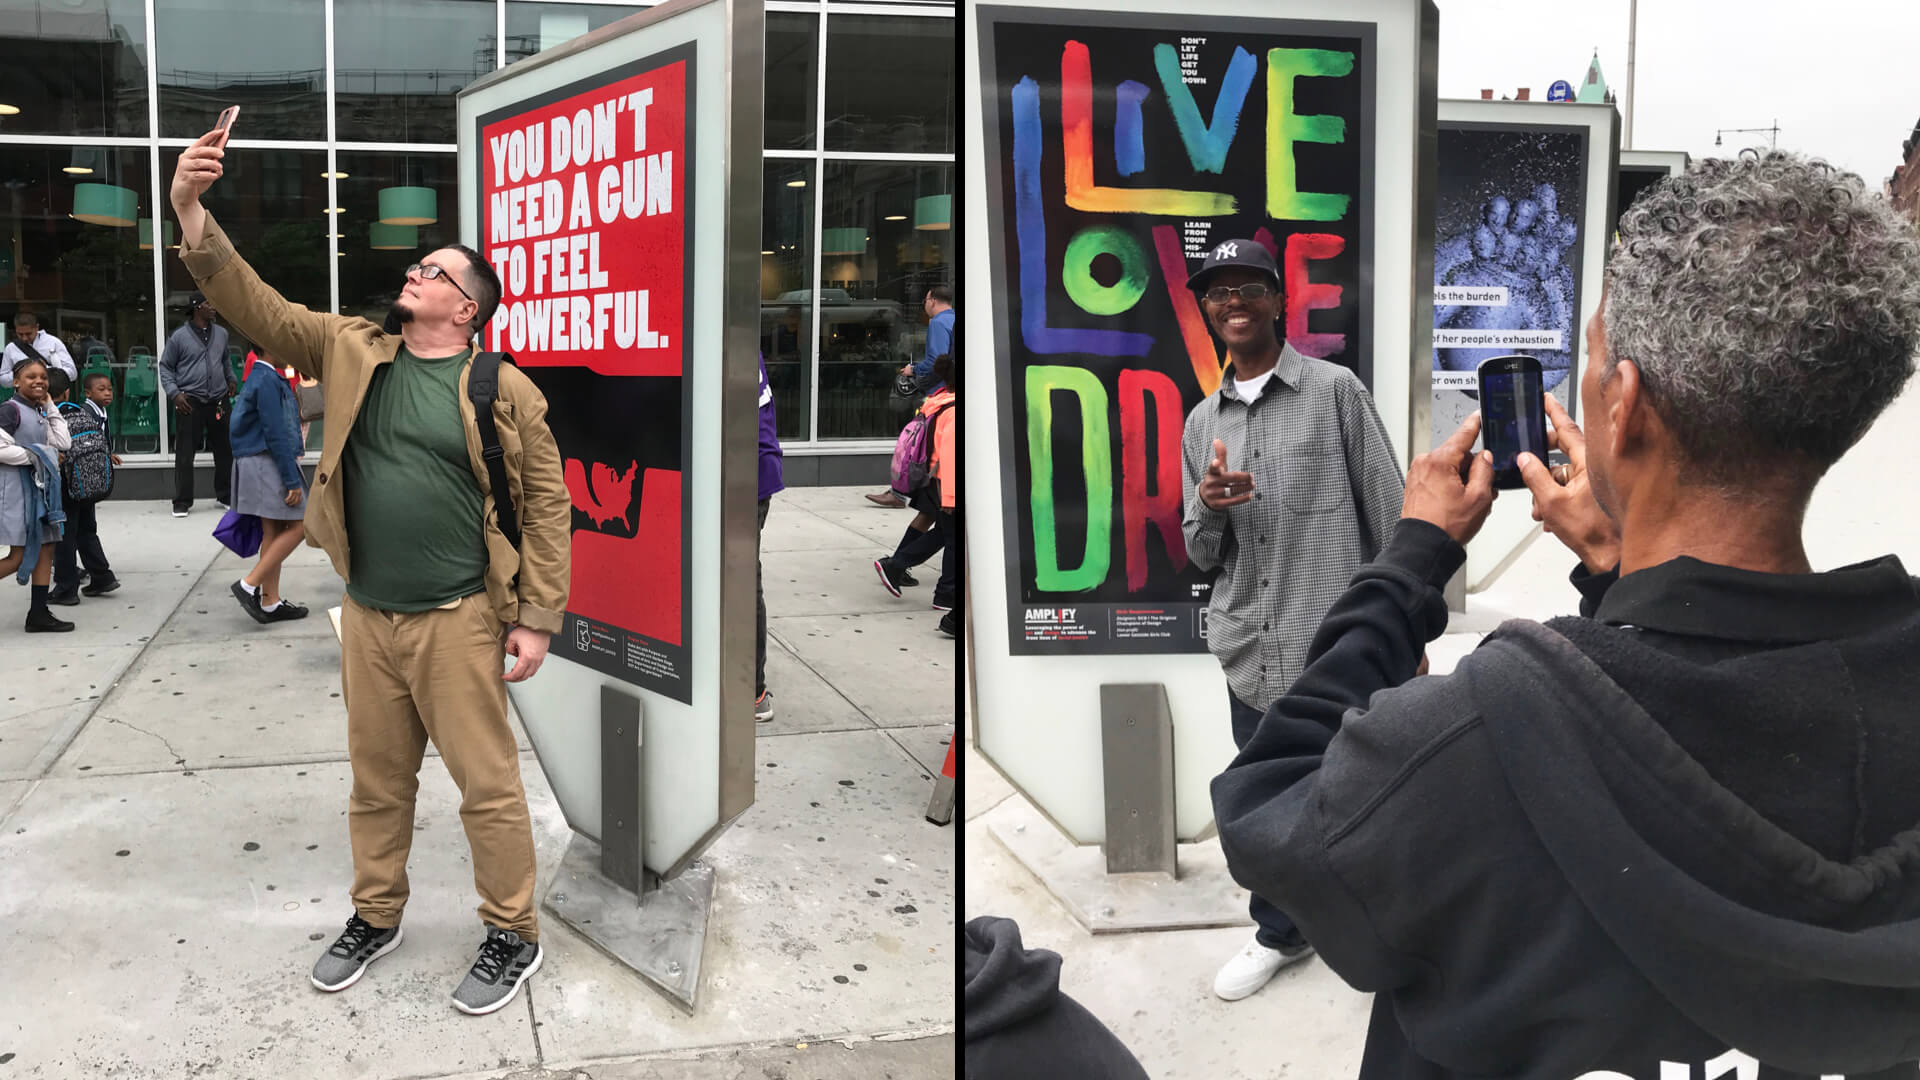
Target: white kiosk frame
(1510, 526)
(649, 781)
(1039, 718)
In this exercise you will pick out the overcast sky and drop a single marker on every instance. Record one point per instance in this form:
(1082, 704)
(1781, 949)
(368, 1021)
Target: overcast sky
(1840, 76)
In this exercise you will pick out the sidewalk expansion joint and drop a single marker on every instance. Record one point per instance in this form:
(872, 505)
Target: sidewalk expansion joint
(145, 647)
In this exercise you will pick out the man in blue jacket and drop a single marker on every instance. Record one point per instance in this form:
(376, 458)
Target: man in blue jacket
(938, 305)
(1674, 836)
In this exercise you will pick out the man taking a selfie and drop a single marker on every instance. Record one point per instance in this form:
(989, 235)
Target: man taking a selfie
(1290, 486)
(1675, 835)
(437, 593)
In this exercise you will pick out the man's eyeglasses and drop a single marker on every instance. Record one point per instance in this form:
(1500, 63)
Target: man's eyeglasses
(1250, 292)
(430, 272)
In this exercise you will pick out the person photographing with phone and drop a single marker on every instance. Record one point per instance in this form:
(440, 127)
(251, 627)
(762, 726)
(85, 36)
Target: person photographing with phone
(441, 587)
(1290, 485)
(1674, 835)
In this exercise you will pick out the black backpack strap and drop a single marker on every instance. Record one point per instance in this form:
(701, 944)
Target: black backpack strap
(483, 388)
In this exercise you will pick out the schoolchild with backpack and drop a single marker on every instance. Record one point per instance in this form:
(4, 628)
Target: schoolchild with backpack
(268, 485)
(86, 478)
(923, 475)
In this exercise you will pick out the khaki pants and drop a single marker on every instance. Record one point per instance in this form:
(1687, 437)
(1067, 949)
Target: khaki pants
(436, 674)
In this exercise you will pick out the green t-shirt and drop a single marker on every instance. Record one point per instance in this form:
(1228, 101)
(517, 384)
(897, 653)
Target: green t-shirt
(414, 509)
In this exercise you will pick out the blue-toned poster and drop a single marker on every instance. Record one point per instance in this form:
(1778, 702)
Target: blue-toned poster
(1506, 268)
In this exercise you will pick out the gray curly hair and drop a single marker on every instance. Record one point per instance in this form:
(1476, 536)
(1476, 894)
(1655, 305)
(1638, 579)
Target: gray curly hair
(1772, 307)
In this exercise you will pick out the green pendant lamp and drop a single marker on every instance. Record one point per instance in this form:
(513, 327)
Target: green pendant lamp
(105, 204)
(146, 233)
(843, 241)
(933, 212)
(384, 237)
(408, 206)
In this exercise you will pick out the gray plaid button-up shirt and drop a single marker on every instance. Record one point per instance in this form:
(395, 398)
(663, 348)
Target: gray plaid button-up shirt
(1327, 494)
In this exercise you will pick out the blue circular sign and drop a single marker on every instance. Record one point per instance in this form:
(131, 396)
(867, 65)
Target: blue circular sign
(1561, 90)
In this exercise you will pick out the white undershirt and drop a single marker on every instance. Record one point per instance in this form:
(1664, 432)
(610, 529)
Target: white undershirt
(1251, 389)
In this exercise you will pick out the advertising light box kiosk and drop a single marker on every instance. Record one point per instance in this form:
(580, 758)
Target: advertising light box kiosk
(1108, 150)
(614, 184)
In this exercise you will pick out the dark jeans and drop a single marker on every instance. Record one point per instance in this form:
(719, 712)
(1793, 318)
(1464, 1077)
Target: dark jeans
(760, 607)
(80, 544)
(207, 423)
(1276, 930)
(941, 538)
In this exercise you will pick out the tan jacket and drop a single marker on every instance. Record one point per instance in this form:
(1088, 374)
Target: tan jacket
(342, 352)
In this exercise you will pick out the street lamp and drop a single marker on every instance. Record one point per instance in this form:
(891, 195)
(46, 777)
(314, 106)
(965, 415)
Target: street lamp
(1772, 133)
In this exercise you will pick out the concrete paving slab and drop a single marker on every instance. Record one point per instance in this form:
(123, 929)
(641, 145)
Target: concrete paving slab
(131, 615)
(793, 528)
(982, 785)
(927, 746)
(839, 582)
(31, 741)
(143, 537)
(897, 668)
(833, 913)
(1203, 895)
(11, 792)
(895, 1060)
(1155, 990)
(200, 705)
(210, 612)
(846, 508)
(802, 700)
(191, 909)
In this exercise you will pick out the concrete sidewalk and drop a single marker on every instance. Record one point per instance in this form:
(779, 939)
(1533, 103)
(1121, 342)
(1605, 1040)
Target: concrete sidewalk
(1155, 989)
(173, 845)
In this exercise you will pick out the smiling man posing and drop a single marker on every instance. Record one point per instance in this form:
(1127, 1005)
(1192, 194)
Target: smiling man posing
(1312, 494)
(436, 591)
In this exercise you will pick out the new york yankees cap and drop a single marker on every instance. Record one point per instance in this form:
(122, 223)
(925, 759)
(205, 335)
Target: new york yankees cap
(1243, 253)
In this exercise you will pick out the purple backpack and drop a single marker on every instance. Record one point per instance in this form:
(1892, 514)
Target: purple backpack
(913, 452)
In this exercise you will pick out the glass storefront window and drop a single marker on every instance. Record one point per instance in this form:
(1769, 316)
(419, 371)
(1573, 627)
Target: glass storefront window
(793, 79)
(890, 84)
(398, 63)
(272, 204)
(374, 257)
(885, 239)
(533, 28)
(80, 69)
(786, 304)
(88, 281)
(266, 56)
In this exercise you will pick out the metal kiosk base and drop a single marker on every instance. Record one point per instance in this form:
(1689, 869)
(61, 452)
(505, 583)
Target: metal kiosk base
(606, 895)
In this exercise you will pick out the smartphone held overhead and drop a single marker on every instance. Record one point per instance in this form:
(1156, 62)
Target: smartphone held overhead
(225, 124)
(1513, 414)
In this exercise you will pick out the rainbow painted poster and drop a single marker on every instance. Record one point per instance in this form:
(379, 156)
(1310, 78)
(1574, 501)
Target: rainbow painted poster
(1121, 148)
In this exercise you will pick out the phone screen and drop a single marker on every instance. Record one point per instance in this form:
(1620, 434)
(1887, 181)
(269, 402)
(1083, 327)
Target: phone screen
(1513, 420)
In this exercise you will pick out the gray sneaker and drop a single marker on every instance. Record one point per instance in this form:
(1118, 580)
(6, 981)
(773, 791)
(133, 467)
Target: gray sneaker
(347, 958)
(503, 964)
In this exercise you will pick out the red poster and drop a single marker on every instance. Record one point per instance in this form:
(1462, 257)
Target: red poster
(584, 214)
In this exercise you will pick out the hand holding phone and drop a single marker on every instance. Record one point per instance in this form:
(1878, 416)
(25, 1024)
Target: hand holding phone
(1513, 415)
(1451, 486)
(225, 124)
(1568, 508)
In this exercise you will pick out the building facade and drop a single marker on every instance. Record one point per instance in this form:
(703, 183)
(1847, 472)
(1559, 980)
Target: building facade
(347, 111)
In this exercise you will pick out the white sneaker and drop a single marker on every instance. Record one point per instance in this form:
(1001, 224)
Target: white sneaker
(1252, 966)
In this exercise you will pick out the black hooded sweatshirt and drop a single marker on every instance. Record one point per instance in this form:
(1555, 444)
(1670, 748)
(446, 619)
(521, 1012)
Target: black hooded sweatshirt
(1673, 839)
(1018, 1024)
